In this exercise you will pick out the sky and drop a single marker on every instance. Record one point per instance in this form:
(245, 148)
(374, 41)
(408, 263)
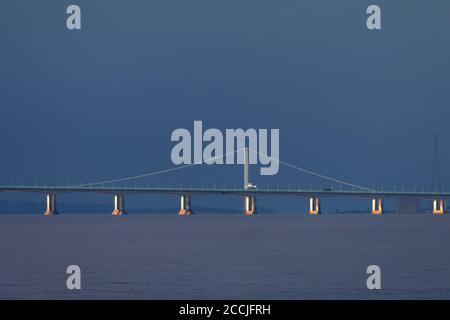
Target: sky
(101, 102)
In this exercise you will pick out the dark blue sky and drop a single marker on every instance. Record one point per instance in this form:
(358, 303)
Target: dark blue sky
(101, 103)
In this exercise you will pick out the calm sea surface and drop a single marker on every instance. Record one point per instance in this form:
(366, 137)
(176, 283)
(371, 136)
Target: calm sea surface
(277, 256)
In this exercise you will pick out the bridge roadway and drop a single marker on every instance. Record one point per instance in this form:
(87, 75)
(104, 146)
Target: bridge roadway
(230, 191)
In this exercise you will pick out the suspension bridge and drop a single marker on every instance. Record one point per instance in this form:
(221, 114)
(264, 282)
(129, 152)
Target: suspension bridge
(248, 191)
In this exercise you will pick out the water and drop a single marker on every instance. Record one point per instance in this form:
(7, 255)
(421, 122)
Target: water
(222, 256)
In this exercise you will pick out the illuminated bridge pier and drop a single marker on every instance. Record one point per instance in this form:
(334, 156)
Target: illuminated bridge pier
(377, 206)
(51, 205)
(314, 205)
(119, 208)
(438, 206)
(249, 205)
(185, 205)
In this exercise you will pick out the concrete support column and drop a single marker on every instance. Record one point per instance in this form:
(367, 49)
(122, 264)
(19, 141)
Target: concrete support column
(438, 206)
(249, 205)
(377, 206)
(314, 205)
(185, 205)
(119, 205)
(51, 205)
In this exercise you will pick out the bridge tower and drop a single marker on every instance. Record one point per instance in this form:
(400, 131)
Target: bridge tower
(51, 205)
(249, 201)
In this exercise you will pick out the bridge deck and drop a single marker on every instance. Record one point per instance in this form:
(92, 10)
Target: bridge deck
(224, 191)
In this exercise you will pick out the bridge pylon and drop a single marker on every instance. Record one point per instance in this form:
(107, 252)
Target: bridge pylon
(51, 205)
(377, 206)
(119, 205)
(185, 205)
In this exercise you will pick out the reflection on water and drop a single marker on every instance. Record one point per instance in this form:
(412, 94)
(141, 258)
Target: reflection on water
(225, 256)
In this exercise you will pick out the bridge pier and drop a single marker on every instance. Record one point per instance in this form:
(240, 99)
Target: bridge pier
(119, 208)
(438, 206)
(377, 206)
(249, 205)
(314, 205)
(185, 208)
(51, 205)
